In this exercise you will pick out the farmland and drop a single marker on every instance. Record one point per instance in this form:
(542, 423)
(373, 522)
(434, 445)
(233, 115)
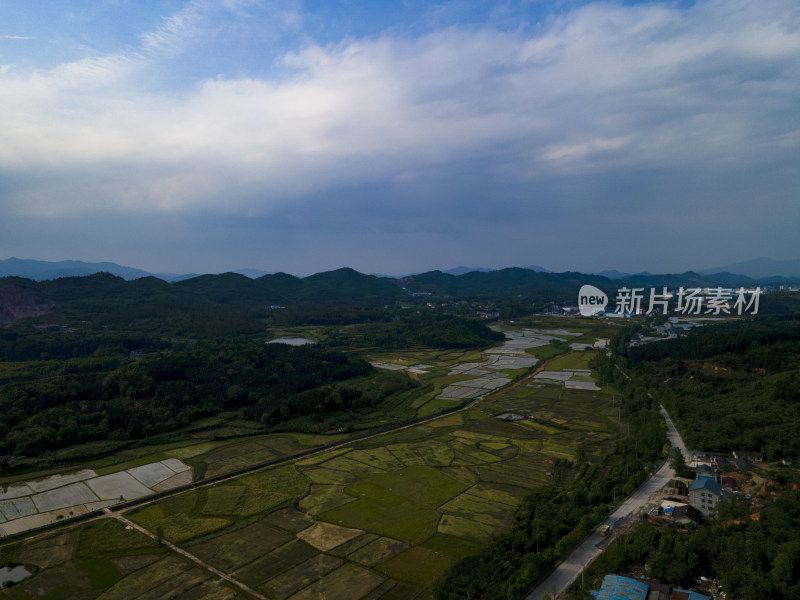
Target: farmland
(378, 518)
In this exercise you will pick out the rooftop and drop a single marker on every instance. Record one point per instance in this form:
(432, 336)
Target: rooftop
(706, 484)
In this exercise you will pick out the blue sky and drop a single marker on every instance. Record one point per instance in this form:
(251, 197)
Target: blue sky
(396, 137)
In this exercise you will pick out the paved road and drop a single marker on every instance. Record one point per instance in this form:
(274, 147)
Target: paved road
(580, 558)
(675, 438)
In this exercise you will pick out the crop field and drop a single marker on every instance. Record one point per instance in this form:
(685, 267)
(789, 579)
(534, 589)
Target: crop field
(102, 559)
(378, 519)
(573, 360)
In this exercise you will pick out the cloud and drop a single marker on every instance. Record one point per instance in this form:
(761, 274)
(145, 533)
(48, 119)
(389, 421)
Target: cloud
(16, 37)
(438, 123)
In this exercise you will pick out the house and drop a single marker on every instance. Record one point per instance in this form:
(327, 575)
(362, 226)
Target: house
(621, 588)
(742, 464)
(673, 512)
(678, 594)
(704, 495)
(685, 514)
(720, 461)
(625, 588)
(746, 455)
(706, 472)
(728, 483)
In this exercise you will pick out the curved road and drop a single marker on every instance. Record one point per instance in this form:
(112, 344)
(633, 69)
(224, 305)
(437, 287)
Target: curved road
(580, 558)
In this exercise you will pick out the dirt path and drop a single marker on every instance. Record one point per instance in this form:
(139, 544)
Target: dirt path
(245, 588)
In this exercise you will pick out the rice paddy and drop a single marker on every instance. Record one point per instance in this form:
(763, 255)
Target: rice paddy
(378, 519)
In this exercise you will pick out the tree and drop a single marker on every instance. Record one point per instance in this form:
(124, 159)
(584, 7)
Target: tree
(679, 464)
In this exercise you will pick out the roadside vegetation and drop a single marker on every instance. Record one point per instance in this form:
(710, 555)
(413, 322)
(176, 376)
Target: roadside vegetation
(389, 516)
(729, 386)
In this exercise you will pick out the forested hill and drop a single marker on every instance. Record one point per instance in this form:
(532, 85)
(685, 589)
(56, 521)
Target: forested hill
(558, 287)
(731, 386)
(230, 301)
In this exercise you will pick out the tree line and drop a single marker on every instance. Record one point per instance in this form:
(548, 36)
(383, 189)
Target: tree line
(127, 399)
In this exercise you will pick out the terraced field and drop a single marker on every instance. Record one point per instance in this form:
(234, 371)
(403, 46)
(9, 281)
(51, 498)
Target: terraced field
(381, 518)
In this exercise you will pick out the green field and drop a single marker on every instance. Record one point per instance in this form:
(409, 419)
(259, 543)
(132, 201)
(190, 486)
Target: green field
(573, 360)
(381, 518)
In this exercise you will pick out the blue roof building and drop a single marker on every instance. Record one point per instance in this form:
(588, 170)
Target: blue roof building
(621, 588)
(706, 472)
(678, 594)
(704, 495)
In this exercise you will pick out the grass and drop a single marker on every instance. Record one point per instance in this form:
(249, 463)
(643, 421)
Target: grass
(183, 517)
(549, 351)
(274, 563)
(406, 505)
(330, 476)
(419, 565)
(400, 505)
(160, 579)
(436, 405)
(435, 454)
(465, 527)
(322, 498)
(377, 551)
(495, 516)
(322, 457)
(239, 547)
(300, 576)
(381, 458)
(327, 536)
(348, 582)
(222, 499)
(272, 489)
(109, 538)
(289, 519)
(103, 558)
(573, 360)
(539, 427)
(45, 553)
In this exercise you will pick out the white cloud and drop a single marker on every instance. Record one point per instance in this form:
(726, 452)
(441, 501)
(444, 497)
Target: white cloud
(602, 88)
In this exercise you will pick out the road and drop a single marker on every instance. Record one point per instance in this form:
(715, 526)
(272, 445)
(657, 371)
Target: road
(274, 462)
(182, 552)
(675, 438)
(570, 569)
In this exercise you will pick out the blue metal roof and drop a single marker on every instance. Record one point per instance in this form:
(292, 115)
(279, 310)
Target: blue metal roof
(692, 595)
(621, 588)
(706, 484)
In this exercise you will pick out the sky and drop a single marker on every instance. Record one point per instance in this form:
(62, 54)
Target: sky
(400, 136)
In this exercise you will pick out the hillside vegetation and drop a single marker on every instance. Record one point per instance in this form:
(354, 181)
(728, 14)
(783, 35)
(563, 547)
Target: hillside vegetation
(732, 386)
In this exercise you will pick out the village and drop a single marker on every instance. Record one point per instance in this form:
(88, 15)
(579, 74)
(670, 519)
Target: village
(721, 481)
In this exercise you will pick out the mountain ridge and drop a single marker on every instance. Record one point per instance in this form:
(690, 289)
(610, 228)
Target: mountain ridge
(142, 302)
(38, 270)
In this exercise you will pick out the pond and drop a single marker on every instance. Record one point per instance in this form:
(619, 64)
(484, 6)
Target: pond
(12, 574)
(292, 340)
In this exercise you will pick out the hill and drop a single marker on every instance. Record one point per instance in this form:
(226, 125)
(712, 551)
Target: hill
(762, 268)
(233, 302)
